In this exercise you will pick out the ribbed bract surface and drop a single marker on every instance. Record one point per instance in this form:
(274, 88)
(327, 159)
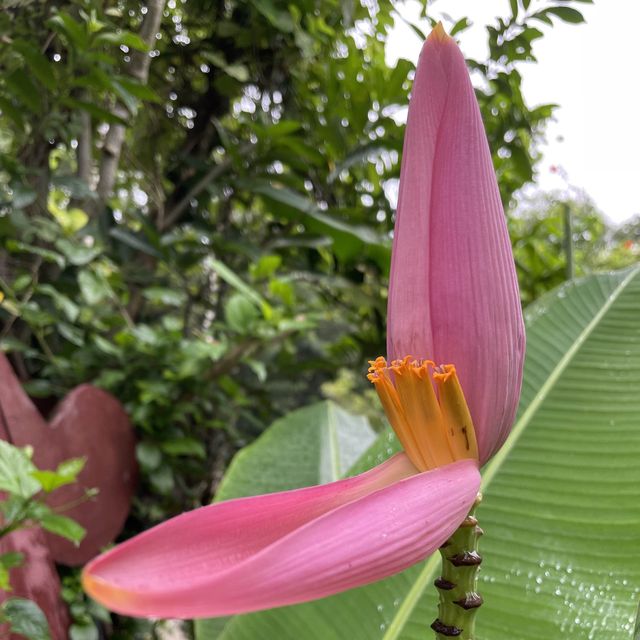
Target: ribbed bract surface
(453, 294)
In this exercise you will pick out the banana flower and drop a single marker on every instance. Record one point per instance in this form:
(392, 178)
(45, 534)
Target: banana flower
(454, 300)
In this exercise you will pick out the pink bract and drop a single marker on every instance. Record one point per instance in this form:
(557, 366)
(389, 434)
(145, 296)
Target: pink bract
(283, 548)
(453, 294)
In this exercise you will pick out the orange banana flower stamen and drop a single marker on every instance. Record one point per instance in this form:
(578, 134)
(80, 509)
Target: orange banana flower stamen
(434, 429)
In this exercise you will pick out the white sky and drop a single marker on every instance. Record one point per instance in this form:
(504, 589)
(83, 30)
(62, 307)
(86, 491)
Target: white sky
(591, 70)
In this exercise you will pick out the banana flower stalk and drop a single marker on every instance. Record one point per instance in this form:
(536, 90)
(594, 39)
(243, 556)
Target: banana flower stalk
(453, 300)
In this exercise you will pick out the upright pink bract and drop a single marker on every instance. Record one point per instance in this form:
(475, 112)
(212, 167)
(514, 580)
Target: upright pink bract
(454, 293)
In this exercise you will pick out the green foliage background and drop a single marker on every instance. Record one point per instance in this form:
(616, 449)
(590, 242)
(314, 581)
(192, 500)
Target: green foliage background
(199, 220)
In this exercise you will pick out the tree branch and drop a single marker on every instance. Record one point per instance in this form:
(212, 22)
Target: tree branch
(138, 69)
(243, 350)
(84, 152)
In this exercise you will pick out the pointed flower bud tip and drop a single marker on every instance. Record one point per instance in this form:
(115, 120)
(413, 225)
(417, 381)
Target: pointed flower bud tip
(438, 34)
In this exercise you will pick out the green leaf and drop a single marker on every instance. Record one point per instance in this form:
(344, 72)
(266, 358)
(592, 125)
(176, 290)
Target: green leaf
(23, 196)
(72, 29)
(70, 220)
(135, 88)
(240, 285)
(236, 71)
(462, 24)
(312, 445)
(71, 468)
(543, 17)
(38, 64)
(13, 509)
(240, 313)
(281, 129)
(107, 347)
(5, 580)
(16, 471)
(93, 287)
(11, 559)
(568, 14)
(21, 86)
(417, 30)
(210, 629)
(87, 631)
(259, 368)
(47, 254)
(126, 38)
(148, 455)
(66, 473)
(164, 295)
(129, 100)
(266, 266)
(73, 334)
(8, 561)
(11, 111)
(561, 497)
(25, 619)
(76, 253)
(134, 241)
(65, 304)
(62, 526)
(308, 208)
(281, 20)
(184, 447)
(40, 388)
(163, 480)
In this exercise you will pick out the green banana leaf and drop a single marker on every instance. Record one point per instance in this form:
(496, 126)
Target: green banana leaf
(313, 445)
(561, 507)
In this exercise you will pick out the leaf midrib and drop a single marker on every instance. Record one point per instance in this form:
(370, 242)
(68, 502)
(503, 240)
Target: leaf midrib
(429, 569)
(334, 453)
